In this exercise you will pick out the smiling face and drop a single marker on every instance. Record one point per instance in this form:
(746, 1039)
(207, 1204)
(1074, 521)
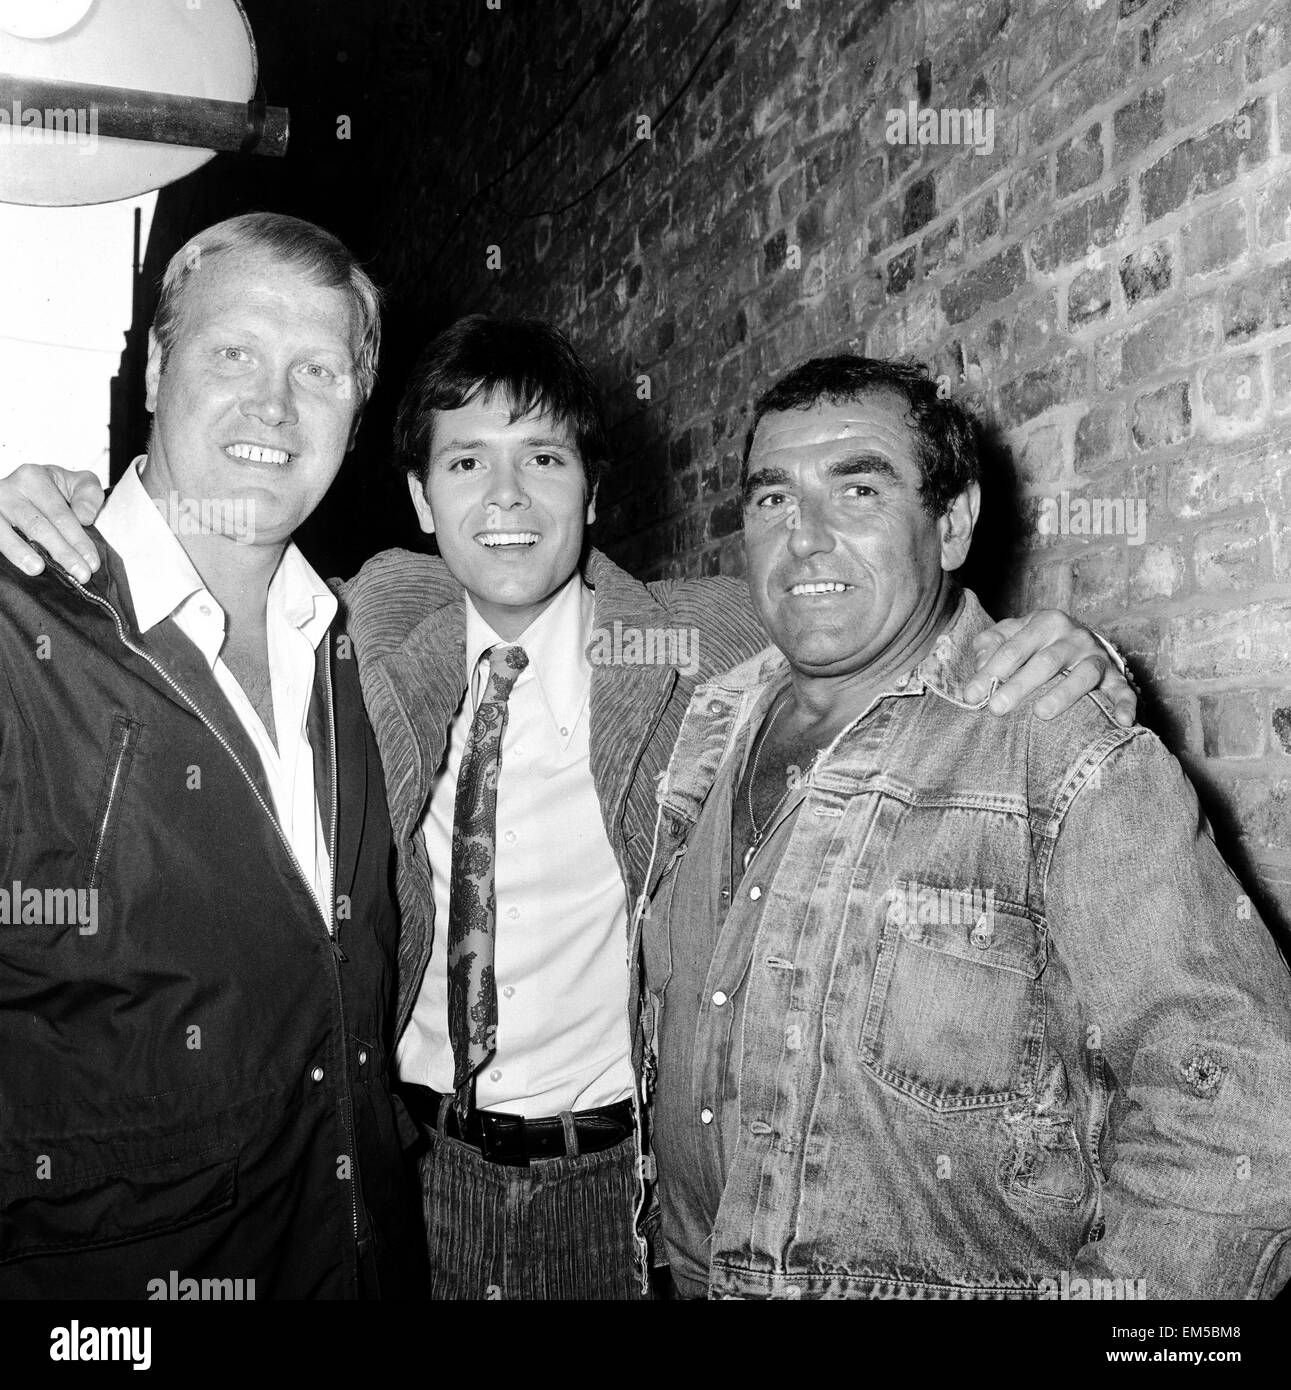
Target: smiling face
(507, 502)
(257, 400)
(845, 565)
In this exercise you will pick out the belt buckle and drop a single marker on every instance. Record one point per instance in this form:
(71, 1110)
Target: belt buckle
(494, 1134)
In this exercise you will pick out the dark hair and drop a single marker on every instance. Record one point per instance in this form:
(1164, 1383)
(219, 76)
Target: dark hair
(531, 361)
(947, 448)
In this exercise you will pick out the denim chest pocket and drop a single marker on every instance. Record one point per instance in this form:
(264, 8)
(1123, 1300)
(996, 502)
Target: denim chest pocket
(955, 1016)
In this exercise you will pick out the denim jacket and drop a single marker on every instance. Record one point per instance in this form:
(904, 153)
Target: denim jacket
(1012, 1028)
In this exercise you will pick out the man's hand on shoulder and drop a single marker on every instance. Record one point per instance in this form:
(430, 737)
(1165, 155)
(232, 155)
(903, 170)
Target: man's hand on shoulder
(1022, 654)
(51, 506)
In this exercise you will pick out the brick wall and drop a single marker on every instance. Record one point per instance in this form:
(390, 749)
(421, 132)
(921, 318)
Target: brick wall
(1109, 286)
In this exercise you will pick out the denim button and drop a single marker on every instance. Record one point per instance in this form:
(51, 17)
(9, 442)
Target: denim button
(983, 933)
(495, 1075)
(719, 999)
(317, 1073)
(363, 1057)
(706, 1115)
(716, 707)
(755, 892)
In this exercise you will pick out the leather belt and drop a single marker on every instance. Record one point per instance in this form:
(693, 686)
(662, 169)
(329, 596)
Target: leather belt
(515, 1139)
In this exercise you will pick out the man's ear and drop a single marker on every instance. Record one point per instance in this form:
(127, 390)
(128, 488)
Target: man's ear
(354, 429)
(425, 517)
(955, 527)
(152, 373)
(591, 506)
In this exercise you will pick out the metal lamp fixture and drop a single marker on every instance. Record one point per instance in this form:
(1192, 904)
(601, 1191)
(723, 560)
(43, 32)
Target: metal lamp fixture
(106, 99)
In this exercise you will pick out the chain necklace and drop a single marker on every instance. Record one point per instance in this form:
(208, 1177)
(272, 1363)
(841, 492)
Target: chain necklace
(758, 835)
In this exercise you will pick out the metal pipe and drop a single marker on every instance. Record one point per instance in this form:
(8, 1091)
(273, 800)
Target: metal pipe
(162, 117)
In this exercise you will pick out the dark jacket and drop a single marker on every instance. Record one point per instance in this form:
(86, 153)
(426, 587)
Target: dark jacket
(193, 1074)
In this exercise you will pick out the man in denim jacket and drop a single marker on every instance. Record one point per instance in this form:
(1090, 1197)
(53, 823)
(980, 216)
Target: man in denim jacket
(949, 1006)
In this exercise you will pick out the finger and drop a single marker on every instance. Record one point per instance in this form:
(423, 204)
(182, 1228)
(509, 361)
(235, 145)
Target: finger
(17, 551)
(87, 498)
(38, 494)
(1083, 677)
(985, 645)
(36, 526)
(1038, 670)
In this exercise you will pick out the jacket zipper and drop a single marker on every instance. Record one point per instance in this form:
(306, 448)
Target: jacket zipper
(286, 844)
(338, 955)
(125, 746)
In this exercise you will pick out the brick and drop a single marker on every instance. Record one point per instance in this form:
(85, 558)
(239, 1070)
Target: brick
(1156, 571)
(726, 518)
(1043, 462)
(901, 271)
(1273, 209)
(1235, 642)
(774, 252)
(1214, 238)
(1264, 810)
(1035, 329)
(982, 219)
(994, 280)
(884, 228)
(1282, 726)
(1234, 555)
(1089, 296)
(920, 205)
(1210, 78)
(1079, 162)
(1228, 475)
(1268, 47)
(1099, 580)
(1070, 237)
(1259, 304)
(1078, 91)
(1162, 417)
(1137, 124)
(1232, 724)
(1170, 338)
(1232, 391)
(944, 247)
(1026, 189)
(1207, 162)
(1100, 435)
(1147, 272)
(1040, 389)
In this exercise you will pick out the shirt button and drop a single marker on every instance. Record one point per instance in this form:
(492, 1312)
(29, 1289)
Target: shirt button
(726, 893)
(363, 1057)
(513, 912)
(508, 992)
(317, 1073)
(755, 892)
(510, 837)
(706, 1115)
(495, 1075)
(205, 610)
(719, 999)
(564, 732)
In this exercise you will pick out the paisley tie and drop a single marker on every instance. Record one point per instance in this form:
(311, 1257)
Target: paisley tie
(472, 906)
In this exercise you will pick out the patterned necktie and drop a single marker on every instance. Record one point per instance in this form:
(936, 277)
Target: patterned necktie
(472, 906)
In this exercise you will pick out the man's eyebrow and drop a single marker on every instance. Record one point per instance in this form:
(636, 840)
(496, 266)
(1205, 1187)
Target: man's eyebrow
(766, 477)
(538, 441)
(873, 465)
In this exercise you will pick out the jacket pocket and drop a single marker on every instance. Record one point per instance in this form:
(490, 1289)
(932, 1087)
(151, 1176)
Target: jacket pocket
(107, 1207)
(121, 746)
(956, 1011)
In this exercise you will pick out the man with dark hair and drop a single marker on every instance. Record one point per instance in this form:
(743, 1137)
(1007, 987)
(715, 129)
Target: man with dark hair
(949, 1006)
(525, 693)
(197, 932)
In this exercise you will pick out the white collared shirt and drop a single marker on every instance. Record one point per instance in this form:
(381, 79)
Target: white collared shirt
(300, 607)
(560, 946)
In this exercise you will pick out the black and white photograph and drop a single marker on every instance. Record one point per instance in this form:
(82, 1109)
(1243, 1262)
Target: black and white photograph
(645, 656)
